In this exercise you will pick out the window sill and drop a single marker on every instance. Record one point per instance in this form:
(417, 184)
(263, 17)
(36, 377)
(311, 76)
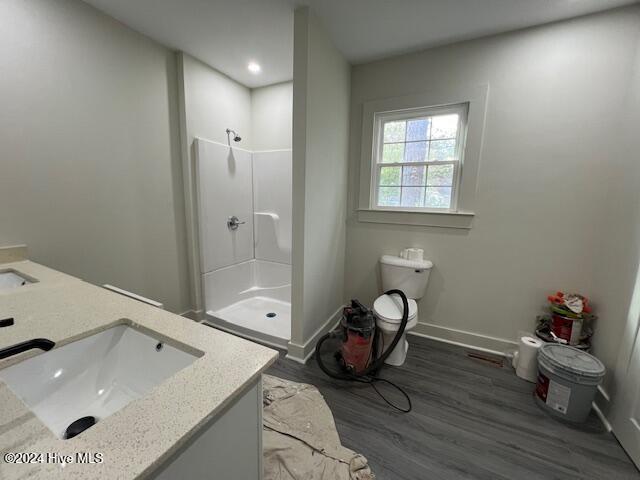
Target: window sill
(461, 220)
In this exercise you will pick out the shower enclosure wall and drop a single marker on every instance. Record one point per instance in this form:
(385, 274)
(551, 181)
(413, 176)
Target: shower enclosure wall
(245, 261)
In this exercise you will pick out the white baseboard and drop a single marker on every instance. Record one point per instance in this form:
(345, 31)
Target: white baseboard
(483, 343)
(498, 346)
(476, 341)
(302, 353)
(604, 395)
(601, 405)
(602, 417)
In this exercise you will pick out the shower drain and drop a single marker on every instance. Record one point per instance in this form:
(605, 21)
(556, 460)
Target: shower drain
(271, 314)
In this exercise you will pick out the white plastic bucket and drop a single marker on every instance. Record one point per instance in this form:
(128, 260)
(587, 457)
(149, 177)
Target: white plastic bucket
(568, 379)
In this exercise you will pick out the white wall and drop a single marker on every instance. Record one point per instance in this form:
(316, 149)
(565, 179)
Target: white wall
(555, 96)
(271, 116)
(210, 102)
(215, 102)
(617, 278)
(90, 174)
(320, 144)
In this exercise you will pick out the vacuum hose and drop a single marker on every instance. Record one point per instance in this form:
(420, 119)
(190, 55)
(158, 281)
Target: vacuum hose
(368, 375)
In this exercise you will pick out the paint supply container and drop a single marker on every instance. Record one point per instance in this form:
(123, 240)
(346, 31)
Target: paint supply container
(568, 329)
(568, 379)
(525, 359)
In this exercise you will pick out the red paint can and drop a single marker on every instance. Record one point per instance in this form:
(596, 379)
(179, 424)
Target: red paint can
(568, 329)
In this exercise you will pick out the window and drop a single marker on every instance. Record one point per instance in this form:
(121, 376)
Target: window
(417, 158)
(419, 163)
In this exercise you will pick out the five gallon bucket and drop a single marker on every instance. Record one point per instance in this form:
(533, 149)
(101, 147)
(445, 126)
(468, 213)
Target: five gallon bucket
(568, 379)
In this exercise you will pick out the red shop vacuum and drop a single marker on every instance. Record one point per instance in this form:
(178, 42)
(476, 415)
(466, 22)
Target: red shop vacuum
(358, 327)
(361, 354)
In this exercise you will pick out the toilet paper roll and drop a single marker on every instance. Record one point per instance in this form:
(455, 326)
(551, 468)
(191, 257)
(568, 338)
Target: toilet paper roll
(527, 359)
(415, 254)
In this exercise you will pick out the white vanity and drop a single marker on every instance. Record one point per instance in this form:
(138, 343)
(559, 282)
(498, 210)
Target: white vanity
(127, 391)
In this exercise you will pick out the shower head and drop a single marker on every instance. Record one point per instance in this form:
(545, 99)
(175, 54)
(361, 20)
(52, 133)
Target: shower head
(236, 137)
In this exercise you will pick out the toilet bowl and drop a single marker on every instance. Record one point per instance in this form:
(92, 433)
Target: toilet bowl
(409, 273)
(388, 310)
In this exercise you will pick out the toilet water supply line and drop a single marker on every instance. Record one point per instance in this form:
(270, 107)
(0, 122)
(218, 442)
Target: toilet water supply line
(369, 375)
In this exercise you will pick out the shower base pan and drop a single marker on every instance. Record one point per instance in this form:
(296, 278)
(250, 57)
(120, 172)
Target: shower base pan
(262, 319)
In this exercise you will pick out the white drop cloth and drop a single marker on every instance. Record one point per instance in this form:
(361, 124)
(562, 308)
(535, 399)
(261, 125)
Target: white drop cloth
(300, 439)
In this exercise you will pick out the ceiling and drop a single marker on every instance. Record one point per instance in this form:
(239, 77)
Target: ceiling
(228, 34)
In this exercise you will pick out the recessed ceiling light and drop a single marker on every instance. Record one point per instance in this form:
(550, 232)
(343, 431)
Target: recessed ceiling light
(254, 67)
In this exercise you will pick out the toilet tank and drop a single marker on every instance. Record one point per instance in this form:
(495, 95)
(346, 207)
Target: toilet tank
(410, 276)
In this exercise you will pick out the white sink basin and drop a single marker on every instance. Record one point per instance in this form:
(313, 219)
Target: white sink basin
(12, 279)
(95, 376)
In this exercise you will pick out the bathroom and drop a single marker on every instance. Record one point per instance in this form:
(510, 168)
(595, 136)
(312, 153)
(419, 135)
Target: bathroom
(202, 205)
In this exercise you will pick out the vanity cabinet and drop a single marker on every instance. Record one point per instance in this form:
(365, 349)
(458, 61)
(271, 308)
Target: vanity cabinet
(229, 447)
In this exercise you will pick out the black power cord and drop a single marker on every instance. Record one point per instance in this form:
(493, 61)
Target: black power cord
(369, 375)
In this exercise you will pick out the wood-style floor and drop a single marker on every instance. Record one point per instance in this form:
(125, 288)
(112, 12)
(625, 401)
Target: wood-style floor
(470, 420)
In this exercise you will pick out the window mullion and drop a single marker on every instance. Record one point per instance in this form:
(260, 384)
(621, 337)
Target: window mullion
(405, 164)
(443, 162)
(418, 164)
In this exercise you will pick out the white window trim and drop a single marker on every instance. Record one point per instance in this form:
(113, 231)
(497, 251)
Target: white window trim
(462, 213)
(381, 117)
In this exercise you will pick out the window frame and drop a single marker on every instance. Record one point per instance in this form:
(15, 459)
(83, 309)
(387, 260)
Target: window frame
(451, 93)
(380, 118)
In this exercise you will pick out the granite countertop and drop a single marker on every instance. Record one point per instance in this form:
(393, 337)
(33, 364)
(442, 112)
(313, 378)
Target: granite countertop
(135, 440)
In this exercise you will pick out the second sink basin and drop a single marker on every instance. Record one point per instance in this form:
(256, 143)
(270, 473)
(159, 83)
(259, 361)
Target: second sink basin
(95, 376)
(11, 279)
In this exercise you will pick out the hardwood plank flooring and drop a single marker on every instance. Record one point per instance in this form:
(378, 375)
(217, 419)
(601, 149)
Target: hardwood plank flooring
(470, 420)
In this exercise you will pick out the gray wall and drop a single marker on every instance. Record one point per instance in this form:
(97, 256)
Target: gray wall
(272, 117)
(618, 260)
(550, 138)
(89, 152)
(320, 144)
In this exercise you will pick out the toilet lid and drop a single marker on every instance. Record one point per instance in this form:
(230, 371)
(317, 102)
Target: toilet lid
(389, 308)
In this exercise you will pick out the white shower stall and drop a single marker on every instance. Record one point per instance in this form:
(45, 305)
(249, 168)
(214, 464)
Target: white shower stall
(244, 218)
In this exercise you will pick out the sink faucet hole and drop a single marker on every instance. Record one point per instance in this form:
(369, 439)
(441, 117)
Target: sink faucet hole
(271, 314)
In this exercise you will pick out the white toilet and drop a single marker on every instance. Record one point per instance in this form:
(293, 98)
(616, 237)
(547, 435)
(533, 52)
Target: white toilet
(411, 276)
